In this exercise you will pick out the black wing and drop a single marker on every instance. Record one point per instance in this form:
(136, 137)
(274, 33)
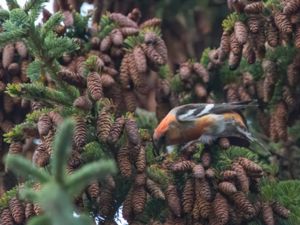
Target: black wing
(191, 112)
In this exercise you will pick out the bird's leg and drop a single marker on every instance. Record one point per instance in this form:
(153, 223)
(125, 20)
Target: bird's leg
(204, 139)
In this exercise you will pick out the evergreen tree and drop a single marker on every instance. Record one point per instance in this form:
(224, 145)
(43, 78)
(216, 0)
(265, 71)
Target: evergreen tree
(82, 87)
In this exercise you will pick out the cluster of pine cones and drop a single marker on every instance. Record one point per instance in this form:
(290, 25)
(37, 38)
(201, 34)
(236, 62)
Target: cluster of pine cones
(216, 197)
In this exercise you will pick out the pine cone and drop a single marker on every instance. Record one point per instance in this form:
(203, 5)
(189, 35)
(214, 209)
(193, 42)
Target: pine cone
(254, 23)
(128, 31)
(281, 114)
(297, 37)
(6, 217)
(282, 22)
(29, 210)
(201, 71)
(224, 143)
(132, 131)
(44, 124)
(280, 210)
(241, 177)
(229, 174)
(234, 60)
(127, 207)
(291, 7)
(130, 101)
(210, 173)
(268, 86)
(227, 188)
(105, 43)
(154, 22)
(243, 204)
(206, 159)
(152, 55)
(273, 128)
(55, 117)
(267, 214)
(200, 91)
(154, 189)
(95, 86)
(139, 198)
(292, 75)
(250, 166)
(7, 55)
(83, 102)
(203, 189)
(116, 37)
(124, 72)
(254, 8)
(198, 171)
(272, 34)
(124, 162)
(17, 210)
(122, 20)
(72, 78)
(104, 123)
(241, 32)
(140, 59)
(40, 156)
(182, 166)
(204, 207)
(21, 49)
(173, 200)
(188, 196)
(80, 132)
(249, 54)
(116, 130)
(140, 179)
(141, 160)
(15, 148)
(93, 190)
(107, 80)
(231, 93)
(221, 209)
(106, 202)
(224, 45)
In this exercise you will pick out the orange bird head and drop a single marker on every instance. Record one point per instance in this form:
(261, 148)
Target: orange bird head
(160, 132)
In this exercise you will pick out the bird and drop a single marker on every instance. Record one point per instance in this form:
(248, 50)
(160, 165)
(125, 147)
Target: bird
(204, 123)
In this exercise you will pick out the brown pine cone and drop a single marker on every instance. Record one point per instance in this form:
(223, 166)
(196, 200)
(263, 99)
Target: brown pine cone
(254, 7)
(173, 200)
(80, 132)
(227, 188)
(281, 117)
(241, 32)
(282, 22)
(128, 31)
(6, 217)
(234, 61)
(280, 210)
(72, 78)
(7, 55)
(55, 117)
(132, 131)
(293, 75)
(229, 174)
(243, 204)
(106, 201)
(272, 34)
(204, 207)
(231, 92)
(241, 176)
(254, 23)
(203, 189)
(95, 86)
(244, 95)
(40, 156)
(124, 72)
(130, 101)
(124, 162)
(291, 7)
(116, 37)
(116, 130)
(17, 210)
(224, 45)
(224, 143)
(44, 124)
(198, 171)
(161, 48)
(221, 209)
(29, 210)
(152, 55)
(154, 22)
(268, 86)
(201, 71)
(206, 159)
(15, 148)
(154, 189)
(21, 49)
(93, 190)
(188, 196)
(182, 166)
(141, 159)
(267, 213)
(127, 206)
(185, 71)
(139, 198)
(235, 46)
(83, 102)
(250, 166)
(122, 20)
(104, 122)
(140, 59)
